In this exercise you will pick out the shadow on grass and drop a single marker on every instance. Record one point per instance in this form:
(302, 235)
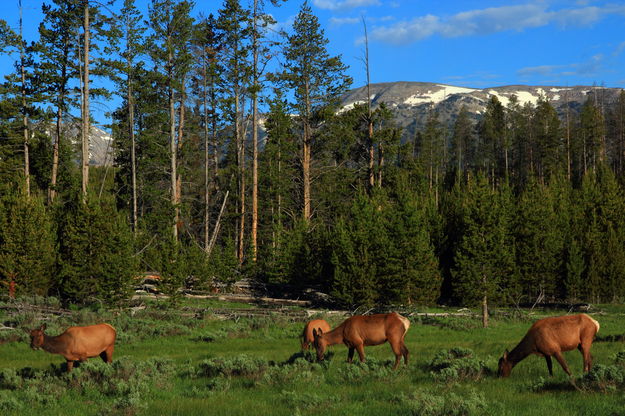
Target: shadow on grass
(543, 385)
(309, 356)
(610, 338)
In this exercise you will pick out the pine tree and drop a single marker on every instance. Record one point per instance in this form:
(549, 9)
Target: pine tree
(132, 35)
(171, 24)
(96, 259)
(484, 258)
(27, 246)
(234, 27)
(461, 140)
(540, 240)
(317, 80)
(56, 69)
(548, 136)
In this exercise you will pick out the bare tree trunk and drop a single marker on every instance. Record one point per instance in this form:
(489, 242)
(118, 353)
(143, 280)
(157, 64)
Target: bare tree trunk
(85, 105)
(206, 154)
(255, 88)
(485, 311)
(217, 226)
(241, 158)
(133, 152)
(173, 148)
(369, 112)
(181, 121)
(24, 110)
(568, 138)
(306, 158)
(55, 155)
(380, 163)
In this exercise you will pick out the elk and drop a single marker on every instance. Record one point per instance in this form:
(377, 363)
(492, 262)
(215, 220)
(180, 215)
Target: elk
(307, 334)
(360, 331)
(77, 343)
(550, 337)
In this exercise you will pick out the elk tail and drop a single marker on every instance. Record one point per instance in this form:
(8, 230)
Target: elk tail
(406, 323)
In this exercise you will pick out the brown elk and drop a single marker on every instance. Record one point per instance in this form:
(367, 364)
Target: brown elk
(307, 334)
(549, 337)
(359, 331)
(77, 343)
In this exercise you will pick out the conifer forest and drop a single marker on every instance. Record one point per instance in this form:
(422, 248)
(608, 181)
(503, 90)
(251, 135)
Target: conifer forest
(233, 158)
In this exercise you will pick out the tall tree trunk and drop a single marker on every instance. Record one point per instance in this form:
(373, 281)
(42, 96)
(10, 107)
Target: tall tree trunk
(255, 88)
(85, 105)
(206, 153)
(380, 163)
(306, 158)
(24, 110)
(55, 154)
(568, 138)
(173, 147)
(133, 144)
(369, 112)
(485, 311)
(241, 158)
(181, 122)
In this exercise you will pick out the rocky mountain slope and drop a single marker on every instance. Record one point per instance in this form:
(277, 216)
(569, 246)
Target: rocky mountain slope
(411, 101)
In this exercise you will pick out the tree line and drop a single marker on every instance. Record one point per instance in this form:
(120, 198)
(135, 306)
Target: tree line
(234, 159)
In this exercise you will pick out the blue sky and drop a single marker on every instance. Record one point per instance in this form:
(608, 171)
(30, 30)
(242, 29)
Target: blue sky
(468, 43)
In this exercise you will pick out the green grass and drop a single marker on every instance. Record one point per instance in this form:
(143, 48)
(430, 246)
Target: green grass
(335, 388)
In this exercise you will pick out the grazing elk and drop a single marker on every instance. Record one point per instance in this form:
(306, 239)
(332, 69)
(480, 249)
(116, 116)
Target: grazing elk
(549, 337)
(77, 343)
(307, 333)
(360, 331)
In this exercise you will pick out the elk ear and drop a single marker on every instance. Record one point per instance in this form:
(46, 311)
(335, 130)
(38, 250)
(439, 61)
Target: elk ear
(505, 354)
(315, 335)
(43, 327)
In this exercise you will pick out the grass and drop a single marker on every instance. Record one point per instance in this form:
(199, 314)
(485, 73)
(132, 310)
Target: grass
(279, 381)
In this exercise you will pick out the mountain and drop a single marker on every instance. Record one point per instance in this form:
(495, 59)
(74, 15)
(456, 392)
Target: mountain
(411, 101)
(100, 142)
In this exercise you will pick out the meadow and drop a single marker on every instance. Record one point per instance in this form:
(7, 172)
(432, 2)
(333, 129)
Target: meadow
(189, 361)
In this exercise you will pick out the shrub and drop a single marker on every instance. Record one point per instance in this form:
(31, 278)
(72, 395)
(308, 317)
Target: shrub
(428, 403)
(305, 400)
(288, 373)
(371, 369)
(603, 378)
(241, 365)
(456, 364)
(8, 402)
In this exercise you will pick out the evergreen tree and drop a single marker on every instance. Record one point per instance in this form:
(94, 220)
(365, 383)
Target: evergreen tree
(548, 139)
(317, 81)
(56, 69)
(540, 239)
(461, 140)
(484, 258)
(27, 246)
(96, 259)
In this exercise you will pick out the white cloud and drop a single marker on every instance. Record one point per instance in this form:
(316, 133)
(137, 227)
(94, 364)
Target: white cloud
(340, 21)
(491, 20)
(344, 4)
(589, 69)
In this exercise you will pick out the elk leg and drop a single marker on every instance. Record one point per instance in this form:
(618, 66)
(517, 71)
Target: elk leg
(398, 350)
(108, 354)
(562, 362)
(350, 354)
(405, 353)
(585, 350)
(361, 352)
(70, 365)
(549, 365)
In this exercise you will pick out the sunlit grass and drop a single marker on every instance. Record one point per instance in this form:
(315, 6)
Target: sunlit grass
(327, 390)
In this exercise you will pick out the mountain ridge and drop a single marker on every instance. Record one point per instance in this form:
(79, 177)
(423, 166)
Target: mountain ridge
(411, 101)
